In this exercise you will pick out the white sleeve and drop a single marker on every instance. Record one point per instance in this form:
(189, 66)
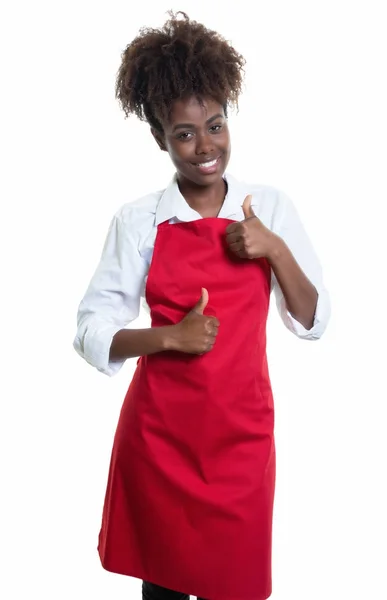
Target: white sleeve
(291, 230)
(112, 299)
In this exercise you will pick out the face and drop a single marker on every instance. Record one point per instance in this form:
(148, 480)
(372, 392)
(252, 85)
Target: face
(197, 138)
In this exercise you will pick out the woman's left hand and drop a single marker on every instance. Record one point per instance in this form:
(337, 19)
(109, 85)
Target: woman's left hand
(250, 238)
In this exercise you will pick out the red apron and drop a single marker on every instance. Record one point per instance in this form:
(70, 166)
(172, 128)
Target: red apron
(190, 493)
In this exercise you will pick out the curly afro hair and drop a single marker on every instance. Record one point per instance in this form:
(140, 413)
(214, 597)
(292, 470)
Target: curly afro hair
(181, 59)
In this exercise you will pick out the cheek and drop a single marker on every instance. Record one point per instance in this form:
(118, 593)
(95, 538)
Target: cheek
(226, 149)
(227, 140)
(179, 154)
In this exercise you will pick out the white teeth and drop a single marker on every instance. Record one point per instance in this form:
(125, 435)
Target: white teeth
(208, 164)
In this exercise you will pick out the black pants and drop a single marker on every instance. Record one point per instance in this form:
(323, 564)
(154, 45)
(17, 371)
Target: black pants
(150, 591)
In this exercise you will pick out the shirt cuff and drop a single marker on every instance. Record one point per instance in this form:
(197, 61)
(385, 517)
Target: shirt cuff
(321, 319)
(94, 348)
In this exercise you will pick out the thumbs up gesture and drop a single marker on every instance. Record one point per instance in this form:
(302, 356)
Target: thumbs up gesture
(250, 238)
(196, 333)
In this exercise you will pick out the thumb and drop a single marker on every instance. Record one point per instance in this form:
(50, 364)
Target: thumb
(201, 305)
(247, 210)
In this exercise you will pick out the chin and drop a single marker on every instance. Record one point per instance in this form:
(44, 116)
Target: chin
(210, 179)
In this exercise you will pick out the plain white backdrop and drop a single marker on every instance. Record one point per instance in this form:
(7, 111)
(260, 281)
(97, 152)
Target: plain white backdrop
(312, 122)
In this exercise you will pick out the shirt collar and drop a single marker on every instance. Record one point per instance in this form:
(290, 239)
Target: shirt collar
(172, 204)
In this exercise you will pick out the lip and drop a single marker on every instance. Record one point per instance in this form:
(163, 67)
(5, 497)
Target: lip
(208, 170)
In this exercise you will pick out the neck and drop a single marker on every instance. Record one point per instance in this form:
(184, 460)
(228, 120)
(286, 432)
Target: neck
(206, 200)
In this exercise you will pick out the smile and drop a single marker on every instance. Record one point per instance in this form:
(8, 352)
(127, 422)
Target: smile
(209, 166)
(210, 163)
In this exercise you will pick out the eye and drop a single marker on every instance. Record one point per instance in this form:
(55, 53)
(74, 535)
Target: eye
(216, 128)
(186, 136)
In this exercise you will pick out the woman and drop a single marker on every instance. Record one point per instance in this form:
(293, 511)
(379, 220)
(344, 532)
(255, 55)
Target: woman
(189, 500)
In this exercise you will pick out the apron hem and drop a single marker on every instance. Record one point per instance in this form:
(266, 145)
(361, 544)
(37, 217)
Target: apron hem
(169, 586)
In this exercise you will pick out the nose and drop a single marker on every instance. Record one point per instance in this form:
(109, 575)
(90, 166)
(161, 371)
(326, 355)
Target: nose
(204, 143)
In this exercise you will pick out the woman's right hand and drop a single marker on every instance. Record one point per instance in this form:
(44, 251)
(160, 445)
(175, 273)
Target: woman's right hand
(196, 333)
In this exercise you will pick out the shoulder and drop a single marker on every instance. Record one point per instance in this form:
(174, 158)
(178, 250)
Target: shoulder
(140, 213)
(272, 198)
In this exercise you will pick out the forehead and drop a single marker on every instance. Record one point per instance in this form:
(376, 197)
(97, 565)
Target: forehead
(192, 110)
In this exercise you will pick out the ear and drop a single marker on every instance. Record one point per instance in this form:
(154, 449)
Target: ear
(159, 137)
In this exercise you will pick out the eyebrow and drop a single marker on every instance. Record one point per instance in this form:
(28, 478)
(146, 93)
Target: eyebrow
(191, 125)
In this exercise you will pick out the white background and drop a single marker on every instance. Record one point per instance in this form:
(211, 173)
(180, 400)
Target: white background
(312, 122)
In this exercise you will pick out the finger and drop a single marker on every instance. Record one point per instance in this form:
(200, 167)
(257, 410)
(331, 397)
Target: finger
(212, 324)
(214, 329)
(242, 254)
(201, 305)
(239, 251)
(247, 209)
(211, 333)
(233, 237)
(232, 227)
(237, 246)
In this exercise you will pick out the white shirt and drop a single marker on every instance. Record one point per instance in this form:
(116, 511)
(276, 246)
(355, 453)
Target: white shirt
(113, 298)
